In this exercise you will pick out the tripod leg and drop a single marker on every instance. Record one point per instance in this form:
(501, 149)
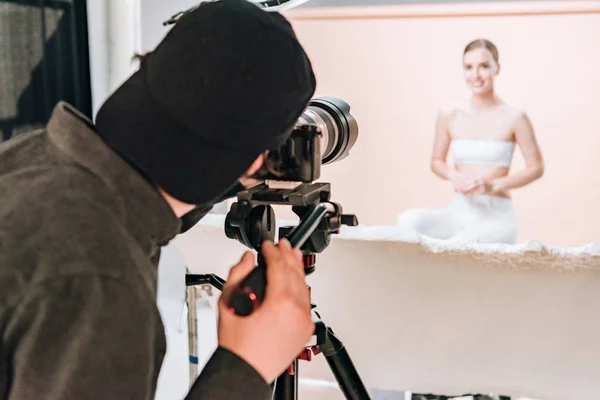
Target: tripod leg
(286, 386)
(340, 364)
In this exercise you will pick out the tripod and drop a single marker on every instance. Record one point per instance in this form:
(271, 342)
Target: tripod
(251, 221)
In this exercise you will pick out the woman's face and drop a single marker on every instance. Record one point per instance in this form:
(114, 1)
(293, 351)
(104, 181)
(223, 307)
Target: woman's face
(480, 69)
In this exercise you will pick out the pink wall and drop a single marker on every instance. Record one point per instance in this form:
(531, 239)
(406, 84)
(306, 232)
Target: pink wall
(396, 65)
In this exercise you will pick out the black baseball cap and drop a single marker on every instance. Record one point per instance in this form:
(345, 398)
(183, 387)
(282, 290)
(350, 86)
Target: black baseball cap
(228, 82)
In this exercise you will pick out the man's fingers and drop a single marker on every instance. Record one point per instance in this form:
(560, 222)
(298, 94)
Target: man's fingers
(286, 248)
(281, 260)
(236, 274)
(270, 252)
(298, 254)
(293, 257)
(239, 271)
(274, 260)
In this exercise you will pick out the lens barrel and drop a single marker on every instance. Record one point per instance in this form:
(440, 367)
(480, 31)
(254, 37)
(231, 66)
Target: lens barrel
(338, 127)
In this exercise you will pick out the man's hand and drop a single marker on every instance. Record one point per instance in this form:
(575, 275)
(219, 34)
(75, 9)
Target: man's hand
(275, 334)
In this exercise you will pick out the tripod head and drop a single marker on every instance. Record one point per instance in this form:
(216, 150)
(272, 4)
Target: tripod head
(252, 219)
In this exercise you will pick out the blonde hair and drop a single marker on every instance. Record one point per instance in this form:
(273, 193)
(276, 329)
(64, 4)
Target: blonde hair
(483, 43)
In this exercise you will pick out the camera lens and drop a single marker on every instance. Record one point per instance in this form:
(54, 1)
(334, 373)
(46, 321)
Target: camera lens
(338, 127)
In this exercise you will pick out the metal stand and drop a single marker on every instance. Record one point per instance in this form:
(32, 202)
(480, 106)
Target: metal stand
(251, 221)
(327, 343)
(191, 297)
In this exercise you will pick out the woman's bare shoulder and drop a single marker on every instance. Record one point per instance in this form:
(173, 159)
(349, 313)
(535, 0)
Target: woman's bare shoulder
(514, 111)
(517, 118)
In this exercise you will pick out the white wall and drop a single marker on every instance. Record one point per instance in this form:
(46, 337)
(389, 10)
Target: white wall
(153, 13)
(115, 36)
(173, 381)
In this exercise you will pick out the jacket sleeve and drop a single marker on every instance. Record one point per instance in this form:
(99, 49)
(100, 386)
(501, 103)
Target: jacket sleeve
(90, 337)
(227, 376)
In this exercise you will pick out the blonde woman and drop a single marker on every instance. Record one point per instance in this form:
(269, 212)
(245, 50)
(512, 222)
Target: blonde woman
(481, 134)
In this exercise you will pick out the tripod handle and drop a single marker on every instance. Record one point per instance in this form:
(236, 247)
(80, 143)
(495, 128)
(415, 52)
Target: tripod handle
(249, 294)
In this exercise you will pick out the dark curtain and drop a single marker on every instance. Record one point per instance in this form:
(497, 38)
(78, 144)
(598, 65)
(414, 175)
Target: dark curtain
(44, 58)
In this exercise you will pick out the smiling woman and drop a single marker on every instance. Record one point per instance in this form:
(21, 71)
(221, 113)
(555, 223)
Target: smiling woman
(481, 134)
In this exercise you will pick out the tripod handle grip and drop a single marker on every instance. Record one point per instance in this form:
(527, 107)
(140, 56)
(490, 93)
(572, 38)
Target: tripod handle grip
(250, 292)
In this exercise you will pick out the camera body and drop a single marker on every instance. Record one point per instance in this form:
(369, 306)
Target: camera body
(297, 160)
(324, 133)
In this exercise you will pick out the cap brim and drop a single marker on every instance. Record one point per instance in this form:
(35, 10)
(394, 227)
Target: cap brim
(191, 170)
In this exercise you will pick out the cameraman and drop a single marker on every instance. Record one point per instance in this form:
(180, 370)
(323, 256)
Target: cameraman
(85, 208)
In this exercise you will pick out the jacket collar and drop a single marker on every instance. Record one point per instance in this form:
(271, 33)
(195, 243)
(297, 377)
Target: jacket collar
(144, 212)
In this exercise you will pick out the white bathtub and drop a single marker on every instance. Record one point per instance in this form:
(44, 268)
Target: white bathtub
(436, 317)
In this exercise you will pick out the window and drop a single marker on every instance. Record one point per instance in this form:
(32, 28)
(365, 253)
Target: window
(44, 59)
